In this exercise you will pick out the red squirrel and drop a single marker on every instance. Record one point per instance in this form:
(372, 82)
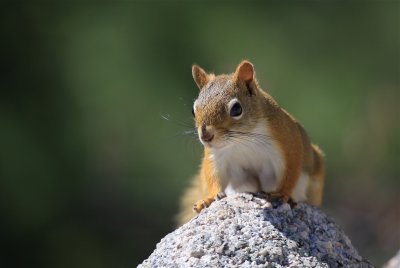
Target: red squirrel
(250, 144)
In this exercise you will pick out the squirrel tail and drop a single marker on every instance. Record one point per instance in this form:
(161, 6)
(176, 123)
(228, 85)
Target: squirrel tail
(192, 194)
(316, 185)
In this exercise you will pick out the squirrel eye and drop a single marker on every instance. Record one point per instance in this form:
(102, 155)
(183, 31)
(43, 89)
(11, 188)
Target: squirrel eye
(236, 110)
(193, 111)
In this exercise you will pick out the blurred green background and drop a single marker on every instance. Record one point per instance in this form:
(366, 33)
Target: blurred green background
(90, 173)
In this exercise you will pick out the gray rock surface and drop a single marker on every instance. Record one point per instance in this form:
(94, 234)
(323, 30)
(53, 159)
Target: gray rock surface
(245, 231)
(393, 262)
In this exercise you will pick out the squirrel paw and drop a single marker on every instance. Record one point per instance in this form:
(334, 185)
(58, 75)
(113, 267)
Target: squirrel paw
(220, 195)
(261, 194)
(278, 199)
(201, 204)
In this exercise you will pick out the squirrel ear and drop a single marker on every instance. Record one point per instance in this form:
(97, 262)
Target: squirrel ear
(200, 76)
(245, 71)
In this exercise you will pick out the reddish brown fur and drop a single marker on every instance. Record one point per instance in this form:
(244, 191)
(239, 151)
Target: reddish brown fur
(298, 153)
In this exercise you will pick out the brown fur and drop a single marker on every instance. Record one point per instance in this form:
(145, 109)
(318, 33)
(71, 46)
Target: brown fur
(289, 136)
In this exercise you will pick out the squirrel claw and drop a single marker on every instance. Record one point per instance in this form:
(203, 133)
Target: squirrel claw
(203, 203)
(261, 194)
(220, 195)
(278, 199)
(292, 203)
(200, 205)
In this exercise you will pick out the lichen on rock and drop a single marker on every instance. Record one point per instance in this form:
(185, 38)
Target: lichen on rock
(246, 231)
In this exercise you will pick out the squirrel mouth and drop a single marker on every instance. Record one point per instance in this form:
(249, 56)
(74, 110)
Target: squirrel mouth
(215, 145)
(207, 143)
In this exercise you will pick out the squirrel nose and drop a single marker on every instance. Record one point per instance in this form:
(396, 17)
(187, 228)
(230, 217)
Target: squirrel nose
(206, 135)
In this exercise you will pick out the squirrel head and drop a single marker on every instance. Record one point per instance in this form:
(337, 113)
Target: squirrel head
(227, 105)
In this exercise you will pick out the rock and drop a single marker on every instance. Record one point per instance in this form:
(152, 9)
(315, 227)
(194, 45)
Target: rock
(246, 231)
(393, 262)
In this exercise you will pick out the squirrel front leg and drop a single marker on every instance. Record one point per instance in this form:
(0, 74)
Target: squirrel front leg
(206, 202)
(288, 184)
(211, 182)
(213, 190)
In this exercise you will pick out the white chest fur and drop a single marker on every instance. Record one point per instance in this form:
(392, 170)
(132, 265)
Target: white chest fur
(250, 163)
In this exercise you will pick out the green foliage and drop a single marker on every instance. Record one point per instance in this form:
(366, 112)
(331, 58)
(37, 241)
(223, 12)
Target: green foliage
(91, 174)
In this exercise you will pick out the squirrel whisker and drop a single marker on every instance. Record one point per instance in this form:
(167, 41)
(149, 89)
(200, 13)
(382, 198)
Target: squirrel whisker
(181, 123)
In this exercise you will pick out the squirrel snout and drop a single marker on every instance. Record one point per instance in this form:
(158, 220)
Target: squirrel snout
(206, 133)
